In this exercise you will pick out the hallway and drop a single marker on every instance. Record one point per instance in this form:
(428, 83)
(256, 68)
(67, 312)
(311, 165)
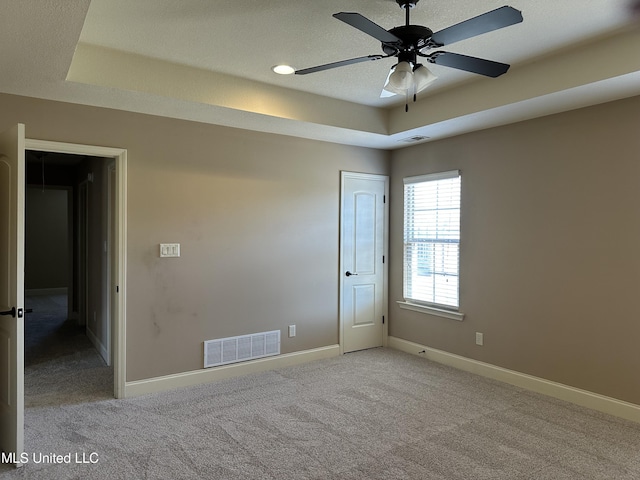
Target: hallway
(61, 365)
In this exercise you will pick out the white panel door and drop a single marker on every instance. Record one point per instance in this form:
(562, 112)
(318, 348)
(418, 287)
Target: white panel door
(12, 185)
(363, 235)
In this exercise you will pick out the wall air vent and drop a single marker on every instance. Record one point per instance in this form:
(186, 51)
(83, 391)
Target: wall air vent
(223, 351)
(415, 138)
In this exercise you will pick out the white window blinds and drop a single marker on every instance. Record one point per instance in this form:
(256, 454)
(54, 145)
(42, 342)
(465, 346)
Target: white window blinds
(432, 239)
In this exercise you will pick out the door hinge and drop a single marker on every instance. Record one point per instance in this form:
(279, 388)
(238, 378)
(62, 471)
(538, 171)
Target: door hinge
(384, 199)
(117, 289)
(382, 258)
(383, 319)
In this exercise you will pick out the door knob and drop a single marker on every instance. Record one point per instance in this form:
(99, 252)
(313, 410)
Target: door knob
(11, 312)
(348, 274)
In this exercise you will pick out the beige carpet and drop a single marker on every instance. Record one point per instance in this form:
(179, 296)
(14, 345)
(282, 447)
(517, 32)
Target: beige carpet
(376, 414)
(61, 365)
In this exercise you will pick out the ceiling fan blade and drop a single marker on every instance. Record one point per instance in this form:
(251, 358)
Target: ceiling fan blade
(488, 68)
(367, 26)
(341, 63)
(487, 22)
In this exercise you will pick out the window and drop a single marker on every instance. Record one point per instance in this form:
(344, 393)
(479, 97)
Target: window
(432, 239)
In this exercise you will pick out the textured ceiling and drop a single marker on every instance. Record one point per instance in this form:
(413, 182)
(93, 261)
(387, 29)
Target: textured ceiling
(246, 39)
(211, 61)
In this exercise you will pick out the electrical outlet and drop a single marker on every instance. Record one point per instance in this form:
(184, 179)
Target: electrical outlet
(292, 331)
(479, 338)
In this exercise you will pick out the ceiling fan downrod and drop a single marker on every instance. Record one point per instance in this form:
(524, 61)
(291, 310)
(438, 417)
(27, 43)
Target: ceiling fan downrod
(407, 5)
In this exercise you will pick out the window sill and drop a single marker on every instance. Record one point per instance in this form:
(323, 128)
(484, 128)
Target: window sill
(438, 312)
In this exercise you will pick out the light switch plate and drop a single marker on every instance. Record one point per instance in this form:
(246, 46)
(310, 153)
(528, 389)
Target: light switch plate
(169, 249)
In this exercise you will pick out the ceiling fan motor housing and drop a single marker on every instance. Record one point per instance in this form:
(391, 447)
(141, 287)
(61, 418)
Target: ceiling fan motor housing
(414, 37)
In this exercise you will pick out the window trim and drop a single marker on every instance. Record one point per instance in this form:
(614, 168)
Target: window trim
(430, 177)
(444, 311)
(430, 310)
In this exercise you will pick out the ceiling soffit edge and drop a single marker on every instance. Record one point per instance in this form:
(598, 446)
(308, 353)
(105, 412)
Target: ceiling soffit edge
(561, 71)
(100, 66)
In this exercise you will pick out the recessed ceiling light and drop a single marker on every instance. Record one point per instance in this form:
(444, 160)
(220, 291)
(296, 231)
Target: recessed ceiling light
(283, 69)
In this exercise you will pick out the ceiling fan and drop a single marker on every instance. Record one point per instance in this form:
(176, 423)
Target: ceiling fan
(408, 42)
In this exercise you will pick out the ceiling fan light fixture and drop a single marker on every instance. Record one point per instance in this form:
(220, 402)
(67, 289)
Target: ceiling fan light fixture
(408, 80)
(402, 77)
(423, 77)
(283, 69)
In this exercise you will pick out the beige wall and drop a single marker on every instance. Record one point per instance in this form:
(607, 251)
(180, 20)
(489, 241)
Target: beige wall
(550, 270)
(256, 216)
(549, 224)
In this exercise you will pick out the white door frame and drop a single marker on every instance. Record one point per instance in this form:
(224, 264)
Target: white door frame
(120, 250)
(108, 289)
(385, 268)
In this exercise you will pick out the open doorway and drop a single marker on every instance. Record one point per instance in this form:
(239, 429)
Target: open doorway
(68, 247)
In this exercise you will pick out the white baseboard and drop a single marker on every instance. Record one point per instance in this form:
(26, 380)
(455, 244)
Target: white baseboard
(102, 350)
(46, 291)
(197, 377)
(584, 398)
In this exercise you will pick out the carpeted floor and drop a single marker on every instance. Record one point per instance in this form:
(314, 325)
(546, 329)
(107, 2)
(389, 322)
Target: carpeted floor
(61, 364)
(375, 414)
(47, 333)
